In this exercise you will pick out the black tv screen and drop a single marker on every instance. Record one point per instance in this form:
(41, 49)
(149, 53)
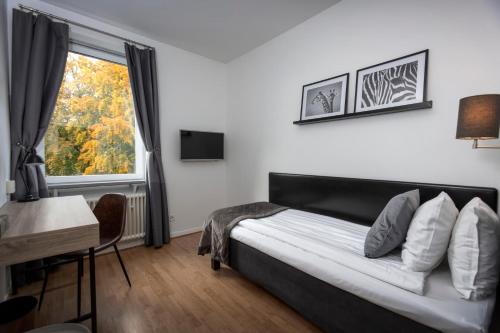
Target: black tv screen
(202, 145)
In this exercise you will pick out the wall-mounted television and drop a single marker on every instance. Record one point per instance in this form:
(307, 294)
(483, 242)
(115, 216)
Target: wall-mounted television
(200, 146)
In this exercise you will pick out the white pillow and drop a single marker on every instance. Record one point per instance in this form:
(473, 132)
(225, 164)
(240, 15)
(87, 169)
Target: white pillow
(473, 252)
(429, 234)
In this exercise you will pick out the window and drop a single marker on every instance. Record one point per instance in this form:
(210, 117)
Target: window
(92, 135)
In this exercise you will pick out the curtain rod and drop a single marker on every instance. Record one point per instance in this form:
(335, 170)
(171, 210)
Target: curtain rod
(31, 9)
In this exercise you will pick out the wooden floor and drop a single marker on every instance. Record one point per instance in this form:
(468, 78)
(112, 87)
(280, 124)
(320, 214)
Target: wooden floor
(173, 290)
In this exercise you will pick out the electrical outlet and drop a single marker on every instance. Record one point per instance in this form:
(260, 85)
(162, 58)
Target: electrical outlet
(171, 219)
(10, 186)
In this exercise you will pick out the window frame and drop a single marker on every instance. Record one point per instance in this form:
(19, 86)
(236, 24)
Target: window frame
(99, 53)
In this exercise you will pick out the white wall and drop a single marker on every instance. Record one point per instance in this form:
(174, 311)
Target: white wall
(4, 106)
(4, 125)
(265, 90)
(262, 98)
(192, 91)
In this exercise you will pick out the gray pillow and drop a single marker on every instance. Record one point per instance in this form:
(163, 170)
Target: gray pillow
(389, 230)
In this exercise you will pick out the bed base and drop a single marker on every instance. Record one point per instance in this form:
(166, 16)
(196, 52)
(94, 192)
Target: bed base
(356, 200)
(330, 308)
(215, 264)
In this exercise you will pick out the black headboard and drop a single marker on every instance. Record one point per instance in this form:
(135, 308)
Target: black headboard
(359, 200)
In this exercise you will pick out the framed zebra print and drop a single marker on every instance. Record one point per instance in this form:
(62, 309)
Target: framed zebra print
(393, 85)
(325, 99)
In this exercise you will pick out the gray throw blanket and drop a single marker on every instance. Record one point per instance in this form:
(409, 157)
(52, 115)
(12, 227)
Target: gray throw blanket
(218, 226)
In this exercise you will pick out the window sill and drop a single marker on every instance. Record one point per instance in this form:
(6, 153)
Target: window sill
(60, 186)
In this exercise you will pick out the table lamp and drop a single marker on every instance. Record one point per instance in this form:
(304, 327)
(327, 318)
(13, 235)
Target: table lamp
(479, 119)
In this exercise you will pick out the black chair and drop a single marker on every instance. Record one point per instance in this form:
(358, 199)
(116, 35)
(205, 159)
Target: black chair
(110, 211)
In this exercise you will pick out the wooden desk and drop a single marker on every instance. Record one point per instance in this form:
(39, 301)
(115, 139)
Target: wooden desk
(49, 227)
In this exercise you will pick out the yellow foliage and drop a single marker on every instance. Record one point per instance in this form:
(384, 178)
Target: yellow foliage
(92, 130)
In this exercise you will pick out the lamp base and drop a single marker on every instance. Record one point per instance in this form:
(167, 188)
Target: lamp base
(29, 198)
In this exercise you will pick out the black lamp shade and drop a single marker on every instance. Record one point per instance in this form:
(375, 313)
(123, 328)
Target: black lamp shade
(33, 159)
(479, 117)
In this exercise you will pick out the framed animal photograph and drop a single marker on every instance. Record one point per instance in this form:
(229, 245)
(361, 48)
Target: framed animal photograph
(325, 98)
(392, 85)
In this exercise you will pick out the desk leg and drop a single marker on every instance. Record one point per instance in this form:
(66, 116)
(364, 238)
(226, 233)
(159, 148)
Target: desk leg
(93, 307)
(13, 279)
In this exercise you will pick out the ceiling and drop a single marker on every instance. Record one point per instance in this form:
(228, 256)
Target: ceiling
(219, 29)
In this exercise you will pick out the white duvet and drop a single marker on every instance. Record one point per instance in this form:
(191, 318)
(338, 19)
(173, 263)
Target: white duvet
(336, 240)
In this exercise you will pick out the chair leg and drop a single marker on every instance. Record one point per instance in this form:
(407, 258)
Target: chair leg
(123, 266)
(79, 291)
(44, 286)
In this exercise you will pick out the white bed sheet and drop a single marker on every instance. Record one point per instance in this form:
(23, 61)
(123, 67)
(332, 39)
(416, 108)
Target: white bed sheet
(339, 241)
(287, 236)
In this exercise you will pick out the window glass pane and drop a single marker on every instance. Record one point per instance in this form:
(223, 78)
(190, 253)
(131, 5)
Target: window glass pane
(92, 131)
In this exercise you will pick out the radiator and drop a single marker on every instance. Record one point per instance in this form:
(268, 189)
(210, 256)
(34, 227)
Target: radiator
(134, 226)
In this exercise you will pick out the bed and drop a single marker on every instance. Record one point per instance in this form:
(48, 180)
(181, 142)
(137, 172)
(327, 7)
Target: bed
(288, 254)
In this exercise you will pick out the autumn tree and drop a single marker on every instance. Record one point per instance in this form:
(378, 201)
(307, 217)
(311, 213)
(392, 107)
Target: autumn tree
(92, 130)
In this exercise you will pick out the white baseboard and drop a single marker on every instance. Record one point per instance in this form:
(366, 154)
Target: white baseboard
(185, 232)
(140, 242)
(124, 245)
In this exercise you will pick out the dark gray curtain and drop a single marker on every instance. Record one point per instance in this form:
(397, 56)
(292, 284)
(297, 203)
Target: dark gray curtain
(143, 80)
(39, 52)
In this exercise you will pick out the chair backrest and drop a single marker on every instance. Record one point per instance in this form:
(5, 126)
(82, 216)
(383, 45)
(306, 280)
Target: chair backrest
(110, 211)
